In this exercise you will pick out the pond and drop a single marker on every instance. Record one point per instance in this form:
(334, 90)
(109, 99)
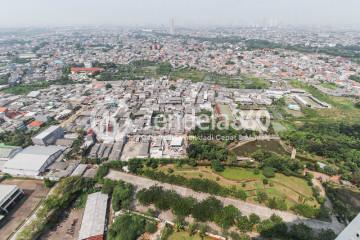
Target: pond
(248, 148)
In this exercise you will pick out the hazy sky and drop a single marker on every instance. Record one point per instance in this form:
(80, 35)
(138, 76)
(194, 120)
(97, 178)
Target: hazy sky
(185, 12)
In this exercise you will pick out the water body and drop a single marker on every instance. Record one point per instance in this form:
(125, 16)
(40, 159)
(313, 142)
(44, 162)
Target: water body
(272, 145)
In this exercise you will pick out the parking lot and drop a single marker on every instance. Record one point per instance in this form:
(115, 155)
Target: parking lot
(35, 192)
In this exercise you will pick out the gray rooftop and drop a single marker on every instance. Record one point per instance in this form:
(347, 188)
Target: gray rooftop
(6, 191)
(46, 132)
(94, 220)
(32, 158)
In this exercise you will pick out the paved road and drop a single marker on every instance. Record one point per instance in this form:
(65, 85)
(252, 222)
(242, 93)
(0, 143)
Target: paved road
(245, 207)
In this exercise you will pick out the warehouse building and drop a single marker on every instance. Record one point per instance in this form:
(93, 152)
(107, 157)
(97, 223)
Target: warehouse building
(9, 196)
(6, 153)
(48, 136)
(94, 220)
(32, 161)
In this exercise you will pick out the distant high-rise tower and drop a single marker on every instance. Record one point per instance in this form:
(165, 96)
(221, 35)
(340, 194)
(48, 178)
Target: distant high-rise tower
(172, 27)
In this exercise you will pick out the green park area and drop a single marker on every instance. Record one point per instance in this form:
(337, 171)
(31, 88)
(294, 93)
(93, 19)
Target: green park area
(293, 190)
(187, 73)
(329, 85)
(234, 81)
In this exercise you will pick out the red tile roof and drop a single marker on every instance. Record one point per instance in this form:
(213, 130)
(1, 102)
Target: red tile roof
(98, 237)
(36, 124)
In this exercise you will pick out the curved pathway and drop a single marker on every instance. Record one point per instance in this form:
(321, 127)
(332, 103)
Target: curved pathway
(245, 207)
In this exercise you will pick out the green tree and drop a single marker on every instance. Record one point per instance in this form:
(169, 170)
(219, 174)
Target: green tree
(183, 206)
(326, 235)
(301, 232)
(217, 166)
(127, 227)
(244, 224)
(268, 172)
(206, 209)
(305, 210)
(135, 165)
(150, 227)
(254, 219)
(48, 183)
(227, 216)
(261, 196)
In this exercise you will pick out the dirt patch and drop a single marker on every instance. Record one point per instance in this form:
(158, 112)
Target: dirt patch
(68, 228)
(35, 192)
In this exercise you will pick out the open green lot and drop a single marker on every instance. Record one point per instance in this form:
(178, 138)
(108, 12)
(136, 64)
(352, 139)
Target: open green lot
(237, 81)
(286, 187)
(225, 110)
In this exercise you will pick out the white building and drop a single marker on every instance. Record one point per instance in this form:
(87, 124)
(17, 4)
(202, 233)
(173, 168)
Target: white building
(176, 141)
(32, 161)
(7, 152)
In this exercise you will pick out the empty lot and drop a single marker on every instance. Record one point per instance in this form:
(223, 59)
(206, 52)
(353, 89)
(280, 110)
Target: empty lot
(68, 228)
(34, 191)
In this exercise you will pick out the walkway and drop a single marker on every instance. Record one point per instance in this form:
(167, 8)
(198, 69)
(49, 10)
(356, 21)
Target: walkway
(245, 207)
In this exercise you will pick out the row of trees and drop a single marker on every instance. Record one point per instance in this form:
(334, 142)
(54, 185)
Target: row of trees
(212, 210)
(121, 193)
(196, 184)
(130, 227)
(209, 209)
(209, 186)
(51, 210)
(271, 161)
(201, 150)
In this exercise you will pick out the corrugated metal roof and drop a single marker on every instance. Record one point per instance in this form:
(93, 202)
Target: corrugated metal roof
(46, 132)
(6, 191)
(93, 222)
(32, 158)
(6, 151)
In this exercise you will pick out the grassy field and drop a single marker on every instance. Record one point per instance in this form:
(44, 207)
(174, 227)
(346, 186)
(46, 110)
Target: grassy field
(185, 236)
(239, 81)
(24, 89)
(329, 85)
(281, 186)
(343, 109)
(193, 75)
(226, 111)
